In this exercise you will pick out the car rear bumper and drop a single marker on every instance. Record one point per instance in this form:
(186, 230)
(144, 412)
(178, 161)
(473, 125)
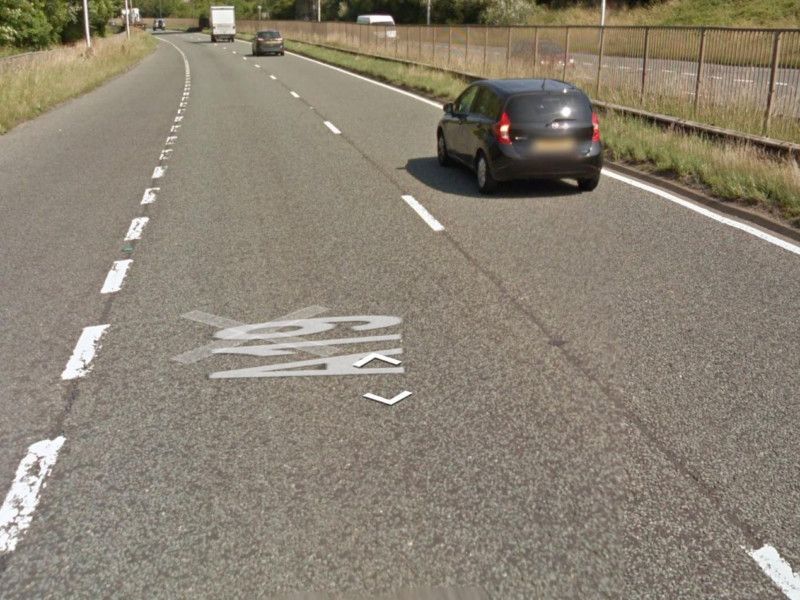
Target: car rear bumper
(265, 48)
(508, 165)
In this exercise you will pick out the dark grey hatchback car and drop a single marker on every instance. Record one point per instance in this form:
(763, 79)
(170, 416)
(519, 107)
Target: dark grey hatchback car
(508, 129)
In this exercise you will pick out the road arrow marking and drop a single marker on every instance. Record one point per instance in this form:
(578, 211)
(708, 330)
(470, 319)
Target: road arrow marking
(373, 356)
(390, 401)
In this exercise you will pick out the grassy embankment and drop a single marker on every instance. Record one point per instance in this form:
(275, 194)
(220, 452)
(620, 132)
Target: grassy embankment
(30, 86)
(731, 172)
(725, 13)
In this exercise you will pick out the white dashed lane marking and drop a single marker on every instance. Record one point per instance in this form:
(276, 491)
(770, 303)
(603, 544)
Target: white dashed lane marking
(80, 363)
(16, 513)
(136, 228)
(116, 276)
(150, 195)
(778, 570)
(423, 212)
(332, 127)
(295, 94)
(158, 172)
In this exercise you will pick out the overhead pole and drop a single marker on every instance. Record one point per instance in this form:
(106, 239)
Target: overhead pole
(127, 20)
(319, 11)
(602, 13)
(86, 23)
(428, 19)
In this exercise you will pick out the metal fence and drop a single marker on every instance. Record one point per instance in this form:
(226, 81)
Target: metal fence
(742, 79)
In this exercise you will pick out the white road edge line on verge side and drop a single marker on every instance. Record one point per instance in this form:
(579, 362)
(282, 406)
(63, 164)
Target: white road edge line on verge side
(423, 212)
(666, 195)
(332, 127)
(778, 570)
(16, 513)
(372, 81)
(705, 212)
(116, 276)
(135, 230)
(79, 364)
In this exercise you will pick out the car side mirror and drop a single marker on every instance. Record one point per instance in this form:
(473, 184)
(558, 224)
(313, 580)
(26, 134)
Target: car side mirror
(448, 108)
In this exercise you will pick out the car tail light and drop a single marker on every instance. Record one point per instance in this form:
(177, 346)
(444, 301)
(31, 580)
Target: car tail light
(502, 129)
(595, 128)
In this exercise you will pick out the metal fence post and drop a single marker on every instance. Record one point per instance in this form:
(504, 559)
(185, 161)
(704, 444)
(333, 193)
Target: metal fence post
(644, 62)
(535, 50)
(419, 49)
(508, 50)
(485, 44)
(600, 62)
(433, 54)
(773, 71)
(566, 55)
(700, 61)
(449, 44)
(466, 51)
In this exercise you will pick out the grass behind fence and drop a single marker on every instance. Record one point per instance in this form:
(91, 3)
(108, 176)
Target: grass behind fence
(29, 87)
(734, 172)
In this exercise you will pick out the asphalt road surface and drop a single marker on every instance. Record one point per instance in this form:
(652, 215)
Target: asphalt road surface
(604, 386)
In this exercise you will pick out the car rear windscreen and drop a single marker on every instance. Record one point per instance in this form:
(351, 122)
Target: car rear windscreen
(270, 35)
(548, 106)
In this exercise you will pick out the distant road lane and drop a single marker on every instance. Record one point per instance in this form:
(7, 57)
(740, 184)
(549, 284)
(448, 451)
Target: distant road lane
(602, 388)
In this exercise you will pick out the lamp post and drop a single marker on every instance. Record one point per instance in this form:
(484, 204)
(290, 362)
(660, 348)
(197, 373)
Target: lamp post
(429, 12)
(86, 23)
(602, 13)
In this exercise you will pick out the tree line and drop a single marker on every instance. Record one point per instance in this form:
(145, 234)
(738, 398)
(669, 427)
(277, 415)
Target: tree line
(41, 23)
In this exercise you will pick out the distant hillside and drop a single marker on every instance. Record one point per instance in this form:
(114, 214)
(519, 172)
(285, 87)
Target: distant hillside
(724, 13)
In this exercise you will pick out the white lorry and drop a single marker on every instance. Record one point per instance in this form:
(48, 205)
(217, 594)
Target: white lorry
(223, 23)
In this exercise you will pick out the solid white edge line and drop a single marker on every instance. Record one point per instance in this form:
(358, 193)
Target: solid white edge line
(778, 570)
(79, 364)
(368, 80)
(135, 229)
(781, 243)
(666, 195)
(116, 276)
(16, 513)
(423, 212)
(332, 127)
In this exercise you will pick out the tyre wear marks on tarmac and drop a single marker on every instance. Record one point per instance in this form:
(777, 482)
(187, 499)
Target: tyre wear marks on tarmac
(17, 510)
(616, 401)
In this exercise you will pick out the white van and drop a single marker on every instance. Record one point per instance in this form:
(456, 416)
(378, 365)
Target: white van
(385, 20)
(223, 23)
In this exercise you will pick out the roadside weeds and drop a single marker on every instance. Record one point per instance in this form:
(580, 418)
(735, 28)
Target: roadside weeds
(31, 86)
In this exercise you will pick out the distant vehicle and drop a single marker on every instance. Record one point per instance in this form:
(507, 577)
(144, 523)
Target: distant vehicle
(134, 17)
(385, 20)
(551, 54)
(159, 24)
(508, 129)
(269, 41)
(223, 23)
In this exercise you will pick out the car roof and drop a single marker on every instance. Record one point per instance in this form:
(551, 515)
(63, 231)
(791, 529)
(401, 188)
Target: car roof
(509, 87)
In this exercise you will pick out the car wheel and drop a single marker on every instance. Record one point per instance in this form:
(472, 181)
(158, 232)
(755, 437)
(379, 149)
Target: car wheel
(281, 53)
(441, 151)
(483, 174)
(587, 185)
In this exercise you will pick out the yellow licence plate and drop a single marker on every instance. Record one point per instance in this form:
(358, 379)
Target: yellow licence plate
(554, 145)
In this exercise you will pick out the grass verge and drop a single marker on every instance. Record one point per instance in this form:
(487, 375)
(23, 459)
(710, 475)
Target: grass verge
(29, 87)
(731, 172)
